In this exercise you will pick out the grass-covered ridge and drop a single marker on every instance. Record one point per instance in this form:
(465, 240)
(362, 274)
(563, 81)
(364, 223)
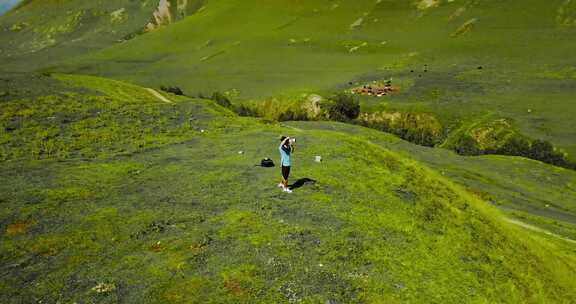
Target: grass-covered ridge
(532, 191)
(196, 221)
(104, 118)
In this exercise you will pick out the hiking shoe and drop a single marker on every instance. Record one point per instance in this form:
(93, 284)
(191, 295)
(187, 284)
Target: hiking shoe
(287, 190)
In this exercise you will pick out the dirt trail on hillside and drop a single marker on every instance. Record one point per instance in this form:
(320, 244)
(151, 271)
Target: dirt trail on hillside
(158, 95)
(534, 228)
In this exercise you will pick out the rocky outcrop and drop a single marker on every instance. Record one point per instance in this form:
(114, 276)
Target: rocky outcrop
(161, 16)
(170, 11)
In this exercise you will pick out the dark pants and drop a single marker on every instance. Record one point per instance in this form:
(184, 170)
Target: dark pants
(285, 172)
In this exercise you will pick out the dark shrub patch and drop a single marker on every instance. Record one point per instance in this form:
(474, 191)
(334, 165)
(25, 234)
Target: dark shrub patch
(544, 151)
(244, 110)
(466, 145)
(345, 107)
(292, 115)
(173, 90)
(221, 99)
(420, 128)
(516, 145)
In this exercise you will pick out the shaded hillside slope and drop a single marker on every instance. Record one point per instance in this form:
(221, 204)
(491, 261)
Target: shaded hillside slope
(40, 33)
(186, 218)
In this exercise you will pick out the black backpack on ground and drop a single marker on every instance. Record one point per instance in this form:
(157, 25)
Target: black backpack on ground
(267, 163)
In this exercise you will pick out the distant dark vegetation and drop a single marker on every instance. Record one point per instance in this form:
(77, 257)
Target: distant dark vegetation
(340, 107)
(411, 127)
(420, 128)
(344, 107)
(244, 110)
(537, 149)
(422, 137)
(173, 90)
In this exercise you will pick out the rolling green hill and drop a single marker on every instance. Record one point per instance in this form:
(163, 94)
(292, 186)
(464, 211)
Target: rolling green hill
(456, 60)
(114, 191)
(172, 213)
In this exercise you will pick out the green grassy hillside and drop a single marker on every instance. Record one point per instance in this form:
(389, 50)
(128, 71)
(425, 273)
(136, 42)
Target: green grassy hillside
(456, 59)
(534, 192)
(184, 217)
(114, 192)
(40, 33)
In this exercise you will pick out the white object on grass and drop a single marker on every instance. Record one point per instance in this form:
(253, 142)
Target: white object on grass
(318, 159)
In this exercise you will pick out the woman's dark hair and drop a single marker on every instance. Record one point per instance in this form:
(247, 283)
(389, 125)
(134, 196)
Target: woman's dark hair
(282, 138)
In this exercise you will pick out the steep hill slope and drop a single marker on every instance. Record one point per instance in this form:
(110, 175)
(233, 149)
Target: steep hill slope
(37, 34)
(183, 217)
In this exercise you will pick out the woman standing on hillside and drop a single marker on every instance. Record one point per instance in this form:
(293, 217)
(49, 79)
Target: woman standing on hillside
(286, 148)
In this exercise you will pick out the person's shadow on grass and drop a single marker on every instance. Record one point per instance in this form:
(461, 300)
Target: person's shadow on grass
(301, 182)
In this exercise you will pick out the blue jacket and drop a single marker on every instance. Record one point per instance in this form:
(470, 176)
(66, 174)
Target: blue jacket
(284, 155)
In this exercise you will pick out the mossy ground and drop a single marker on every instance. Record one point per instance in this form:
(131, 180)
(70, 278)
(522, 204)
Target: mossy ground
(195, 221)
